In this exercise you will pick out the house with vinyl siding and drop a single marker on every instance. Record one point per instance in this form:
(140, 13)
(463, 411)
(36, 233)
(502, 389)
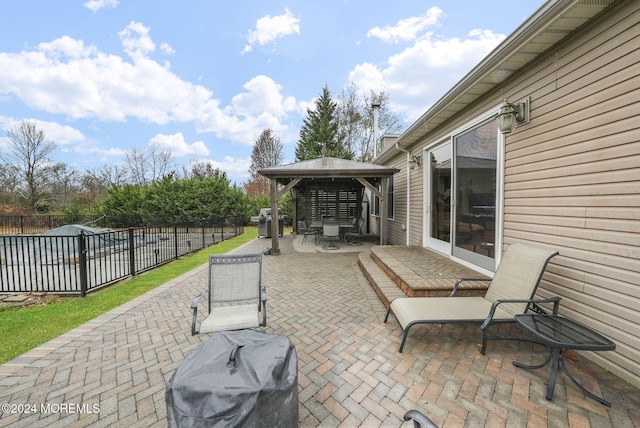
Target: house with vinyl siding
(567, 177)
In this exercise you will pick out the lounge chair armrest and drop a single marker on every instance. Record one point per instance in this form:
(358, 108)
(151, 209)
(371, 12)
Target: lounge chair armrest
(461, 280)
(535, 307)
(495, 304)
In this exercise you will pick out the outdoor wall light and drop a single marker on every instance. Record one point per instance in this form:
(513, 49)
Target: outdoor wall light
(415, 162)
(511, 115)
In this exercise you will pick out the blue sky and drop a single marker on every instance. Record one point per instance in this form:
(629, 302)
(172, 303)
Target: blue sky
(203, 78)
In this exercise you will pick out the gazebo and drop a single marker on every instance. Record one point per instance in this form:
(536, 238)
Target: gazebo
(330, 187)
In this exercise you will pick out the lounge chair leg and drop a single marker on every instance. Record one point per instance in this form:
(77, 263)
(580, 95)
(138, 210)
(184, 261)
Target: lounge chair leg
(484, 341)
(388, 312)
(404, 339)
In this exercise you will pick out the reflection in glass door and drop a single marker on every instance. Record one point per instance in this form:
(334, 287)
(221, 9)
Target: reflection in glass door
(439, 176)
(475, 163)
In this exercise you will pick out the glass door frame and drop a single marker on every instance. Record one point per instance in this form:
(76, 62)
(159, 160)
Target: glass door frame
(434, 243)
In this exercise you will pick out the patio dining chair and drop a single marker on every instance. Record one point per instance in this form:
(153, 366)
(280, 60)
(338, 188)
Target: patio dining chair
(237, 298)
(310, 231)
(353, 235)
(331, 233)
(510, 292)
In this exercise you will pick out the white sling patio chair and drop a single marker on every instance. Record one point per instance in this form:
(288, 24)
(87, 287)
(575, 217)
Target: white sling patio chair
(331, 233)
(237, 299)
(510, 292)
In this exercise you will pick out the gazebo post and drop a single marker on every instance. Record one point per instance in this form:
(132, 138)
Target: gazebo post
(384, 215)
(275, 221)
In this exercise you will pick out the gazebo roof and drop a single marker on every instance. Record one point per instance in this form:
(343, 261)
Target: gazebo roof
(330, 168)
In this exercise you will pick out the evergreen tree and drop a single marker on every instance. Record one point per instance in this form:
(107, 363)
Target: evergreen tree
(319, 134)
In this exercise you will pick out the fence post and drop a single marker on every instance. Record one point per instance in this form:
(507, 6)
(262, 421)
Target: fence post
(132, 253)
(204, 243)
(175, 239)
(82, 249)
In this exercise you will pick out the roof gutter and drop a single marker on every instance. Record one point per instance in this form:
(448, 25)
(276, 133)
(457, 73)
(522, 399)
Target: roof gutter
(529, 29)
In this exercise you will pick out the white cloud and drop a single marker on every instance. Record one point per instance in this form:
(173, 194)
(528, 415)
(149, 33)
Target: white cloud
(68, 77)
(409, 28)
(261, 106)
(263, 94)
(167, 49)
(136, 41)
(55, 132)
(271, 28)
(60, 134)
(417, 76)
(178, 146)
(96, 5)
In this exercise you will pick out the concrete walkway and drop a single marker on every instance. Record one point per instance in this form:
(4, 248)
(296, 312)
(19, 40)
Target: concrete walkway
(112, 371)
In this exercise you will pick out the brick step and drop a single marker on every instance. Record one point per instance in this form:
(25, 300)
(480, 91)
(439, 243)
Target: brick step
(385, 288)
(416, 272)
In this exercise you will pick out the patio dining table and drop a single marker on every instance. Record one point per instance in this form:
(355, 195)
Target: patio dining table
(344, 226)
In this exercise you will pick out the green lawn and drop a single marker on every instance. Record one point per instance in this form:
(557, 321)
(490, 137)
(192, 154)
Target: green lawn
(22, 329)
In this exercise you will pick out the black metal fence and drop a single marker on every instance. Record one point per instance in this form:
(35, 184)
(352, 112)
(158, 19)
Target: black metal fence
(78, 264)
(38, 223)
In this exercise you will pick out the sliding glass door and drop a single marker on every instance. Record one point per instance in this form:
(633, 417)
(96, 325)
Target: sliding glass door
(461, 184)
(475, 154)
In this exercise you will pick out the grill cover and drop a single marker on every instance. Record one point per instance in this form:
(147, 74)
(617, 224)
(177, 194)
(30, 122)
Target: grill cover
(238, 378)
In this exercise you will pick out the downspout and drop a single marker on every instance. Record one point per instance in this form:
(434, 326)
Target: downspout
(406, 238)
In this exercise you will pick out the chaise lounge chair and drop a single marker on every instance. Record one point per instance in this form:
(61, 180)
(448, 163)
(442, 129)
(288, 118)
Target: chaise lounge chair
(510, 292)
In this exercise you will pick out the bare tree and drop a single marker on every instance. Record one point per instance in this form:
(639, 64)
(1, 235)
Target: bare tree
(64, 183)
(355, 120)
(147, 166)
(28, 155)
(159, 161)
(96, 182)
(137, 167)
(267, 152)
(8, 184)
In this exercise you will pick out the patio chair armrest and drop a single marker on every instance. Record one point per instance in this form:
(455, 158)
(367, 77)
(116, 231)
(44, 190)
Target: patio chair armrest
(495, 304)
(263, 303)
(194, 302)
(461, 280)
(194, 308)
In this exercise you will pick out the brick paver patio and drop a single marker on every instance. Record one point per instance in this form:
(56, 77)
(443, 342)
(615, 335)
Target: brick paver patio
(112, 371)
